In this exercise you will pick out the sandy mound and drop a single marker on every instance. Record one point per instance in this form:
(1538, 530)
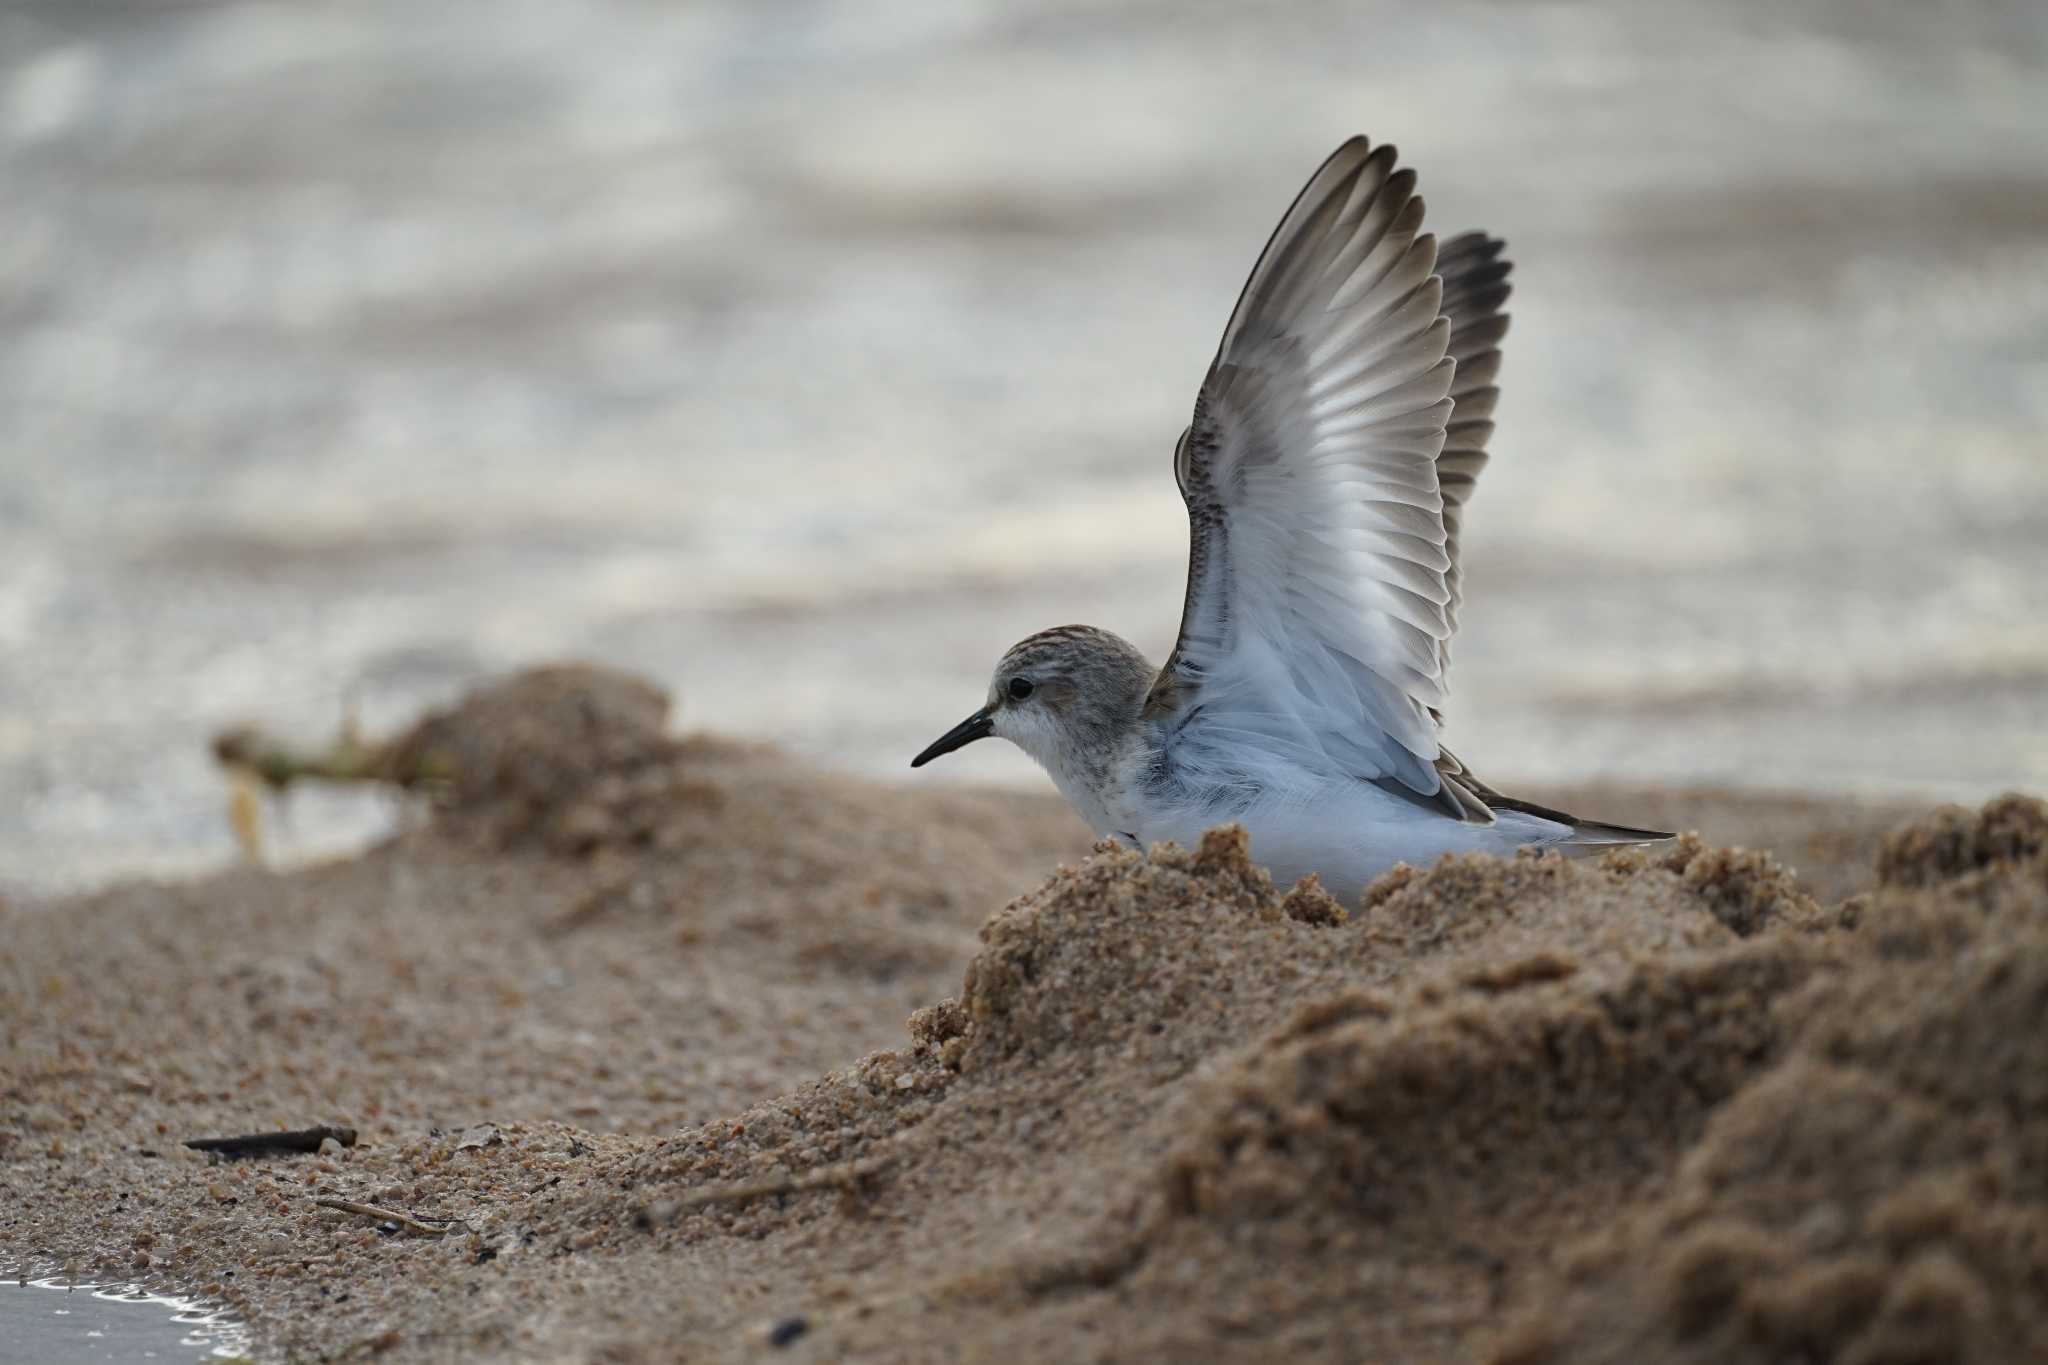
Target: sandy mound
(1664, 1107)
(1878, 1193)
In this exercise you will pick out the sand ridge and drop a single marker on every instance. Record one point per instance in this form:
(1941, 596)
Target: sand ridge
(631, 1009)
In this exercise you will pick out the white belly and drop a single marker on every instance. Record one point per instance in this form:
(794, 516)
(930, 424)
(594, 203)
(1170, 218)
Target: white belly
(1351, 835)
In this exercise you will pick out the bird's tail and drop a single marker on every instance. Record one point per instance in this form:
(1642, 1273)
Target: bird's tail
(1594, 836)
(1585, 836)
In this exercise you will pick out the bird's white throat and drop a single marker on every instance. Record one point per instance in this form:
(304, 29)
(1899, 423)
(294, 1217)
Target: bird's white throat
(1095, 772)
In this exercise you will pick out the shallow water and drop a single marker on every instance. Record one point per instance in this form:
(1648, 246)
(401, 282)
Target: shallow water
(48, 1322)
(804, 356)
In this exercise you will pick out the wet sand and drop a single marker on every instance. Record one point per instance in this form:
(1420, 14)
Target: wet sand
(678, 1048)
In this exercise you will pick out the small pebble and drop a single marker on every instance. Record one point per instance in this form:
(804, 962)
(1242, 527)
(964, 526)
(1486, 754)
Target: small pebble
(786, 1330)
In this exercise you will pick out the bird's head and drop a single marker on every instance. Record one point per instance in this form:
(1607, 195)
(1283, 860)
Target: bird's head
(1063, 696)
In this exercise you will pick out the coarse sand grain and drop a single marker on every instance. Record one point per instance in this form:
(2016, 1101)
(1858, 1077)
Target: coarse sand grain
(626, 1015)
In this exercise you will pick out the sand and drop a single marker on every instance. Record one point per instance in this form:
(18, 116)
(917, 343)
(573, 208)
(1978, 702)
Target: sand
(709, 1056)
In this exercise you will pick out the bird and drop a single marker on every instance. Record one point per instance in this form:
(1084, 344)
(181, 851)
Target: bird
(1335, 442)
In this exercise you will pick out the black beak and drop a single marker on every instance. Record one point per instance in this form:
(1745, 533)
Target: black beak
(976, 726)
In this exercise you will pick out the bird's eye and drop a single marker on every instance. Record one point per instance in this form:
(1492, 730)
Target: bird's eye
(1020, 688)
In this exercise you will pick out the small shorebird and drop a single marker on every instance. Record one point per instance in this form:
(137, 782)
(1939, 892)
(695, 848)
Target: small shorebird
(1334, 442)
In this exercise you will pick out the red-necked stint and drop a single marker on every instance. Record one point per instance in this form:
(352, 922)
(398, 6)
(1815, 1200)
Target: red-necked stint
(1335, 440)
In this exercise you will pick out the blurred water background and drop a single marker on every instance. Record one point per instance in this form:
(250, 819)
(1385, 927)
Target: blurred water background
(805, 355)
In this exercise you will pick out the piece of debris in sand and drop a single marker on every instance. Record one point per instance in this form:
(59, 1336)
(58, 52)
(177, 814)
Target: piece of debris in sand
(397, 1219)
(264, 1144)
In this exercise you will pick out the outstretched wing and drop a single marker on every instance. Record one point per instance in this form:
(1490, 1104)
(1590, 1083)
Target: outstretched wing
(1318, 602)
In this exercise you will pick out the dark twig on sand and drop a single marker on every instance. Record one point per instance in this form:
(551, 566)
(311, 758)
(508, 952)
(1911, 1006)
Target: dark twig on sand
(259, 1144)
(384, 1215)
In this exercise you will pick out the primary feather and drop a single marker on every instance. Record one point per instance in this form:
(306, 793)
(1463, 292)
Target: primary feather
(1475, 286)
